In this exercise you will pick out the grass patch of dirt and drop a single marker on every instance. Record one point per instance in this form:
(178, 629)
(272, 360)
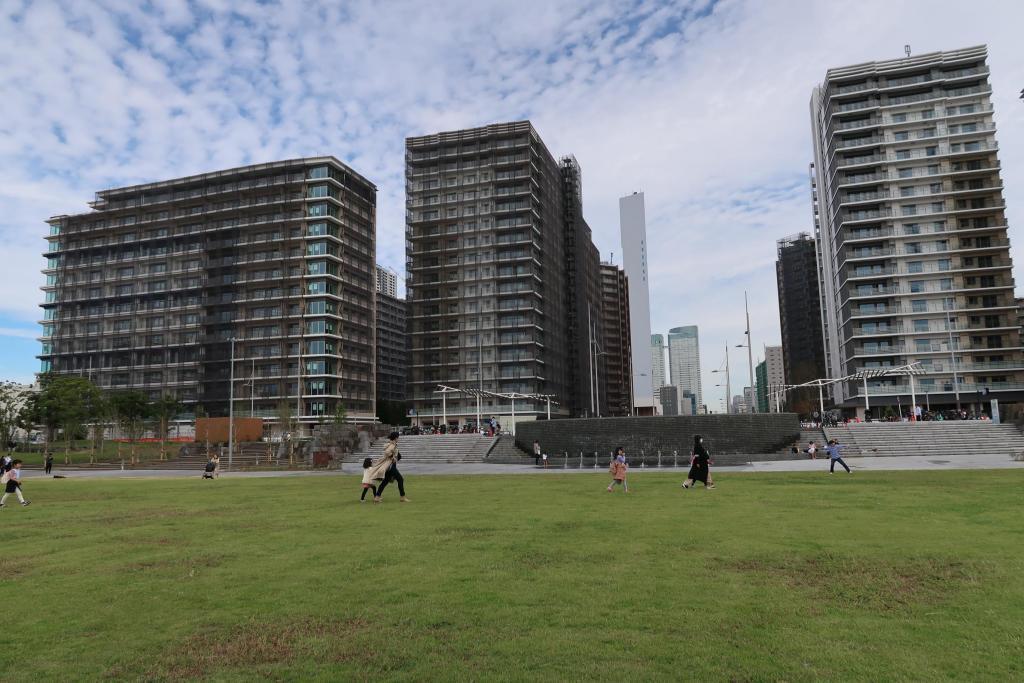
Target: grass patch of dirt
(859, 582)
(254, 644)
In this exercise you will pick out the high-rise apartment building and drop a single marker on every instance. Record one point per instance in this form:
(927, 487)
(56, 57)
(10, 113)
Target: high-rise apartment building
(503, 282)
(633, 233)
(684, 362)
(391, 352)
(616, 344)
(387, 281)
(803, 345)
(658, 376)
(148, 290)
(915, 255)
(668, 396)
(770, 378)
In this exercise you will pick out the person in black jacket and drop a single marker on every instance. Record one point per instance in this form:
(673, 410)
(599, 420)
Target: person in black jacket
(699, 465)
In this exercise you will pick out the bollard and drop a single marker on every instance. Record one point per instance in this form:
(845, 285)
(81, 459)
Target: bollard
(659, 458)
(675, 458)
(595, 458)
(565, 460)
(581, 460)
(643, 464)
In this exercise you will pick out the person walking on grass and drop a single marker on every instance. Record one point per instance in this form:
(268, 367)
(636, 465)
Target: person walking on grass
(700, 465)
(618, 468)
(835, 454)
(369, 484)
(386, 469)
(12, 481)
(49, 464)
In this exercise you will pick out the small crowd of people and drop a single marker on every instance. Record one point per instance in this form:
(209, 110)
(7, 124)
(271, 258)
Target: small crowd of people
(489, 427)
(833, 449)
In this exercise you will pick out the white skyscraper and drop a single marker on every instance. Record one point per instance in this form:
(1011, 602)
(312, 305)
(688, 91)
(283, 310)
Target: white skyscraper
(633, 231)
(684, 361)
(658, 364)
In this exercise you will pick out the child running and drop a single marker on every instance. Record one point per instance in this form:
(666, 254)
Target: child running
(835, 454)
(369, 483)
(12, 478)
(618, 469)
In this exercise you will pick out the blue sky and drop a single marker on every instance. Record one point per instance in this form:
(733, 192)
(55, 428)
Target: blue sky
(703, 106)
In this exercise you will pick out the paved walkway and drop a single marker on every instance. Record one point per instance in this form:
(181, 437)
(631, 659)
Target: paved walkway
(963, 462)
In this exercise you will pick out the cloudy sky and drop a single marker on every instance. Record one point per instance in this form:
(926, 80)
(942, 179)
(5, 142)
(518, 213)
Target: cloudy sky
(702, 105)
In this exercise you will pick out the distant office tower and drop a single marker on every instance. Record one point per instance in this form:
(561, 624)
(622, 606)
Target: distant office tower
(633, 232)
(503, 283)
(669, 399)
(803, 345)
(392, 355)
(618, 358)
(387, 281)
(739, 403)
(688, 404)
(770, 378)
(684, 361)
(915, 253)
(148, 289)
(658, 376)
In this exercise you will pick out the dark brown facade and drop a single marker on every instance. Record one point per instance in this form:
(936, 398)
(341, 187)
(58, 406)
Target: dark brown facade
(493, 228)
(616, 342)
(148, 290)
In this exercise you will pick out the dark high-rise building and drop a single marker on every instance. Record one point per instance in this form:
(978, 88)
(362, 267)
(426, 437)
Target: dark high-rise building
(616, 345)
(391, 348)
(148, 290)
(669, 396)
(803, 346)
(494, 237)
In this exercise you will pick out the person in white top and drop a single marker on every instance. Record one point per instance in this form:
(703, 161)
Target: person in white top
(12, 479)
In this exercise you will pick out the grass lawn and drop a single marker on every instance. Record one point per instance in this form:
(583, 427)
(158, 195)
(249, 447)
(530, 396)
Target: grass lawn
(798, 577)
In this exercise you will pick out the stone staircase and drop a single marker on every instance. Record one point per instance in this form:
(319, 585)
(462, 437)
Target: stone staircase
(433, 448)
(947, 439)
(506, 452)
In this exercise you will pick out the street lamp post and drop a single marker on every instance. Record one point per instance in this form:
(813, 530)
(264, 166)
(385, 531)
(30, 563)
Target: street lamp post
(231, 407)
(728, 396)
(750, 352)
(952, 359)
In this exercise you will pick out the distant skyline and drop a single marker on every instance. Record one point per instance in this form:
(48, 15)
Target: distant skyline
(701, 105)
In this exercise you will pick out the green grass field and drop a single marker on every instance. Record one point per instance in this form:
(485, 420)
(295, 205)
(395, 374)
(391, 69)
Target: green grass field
(888, 576)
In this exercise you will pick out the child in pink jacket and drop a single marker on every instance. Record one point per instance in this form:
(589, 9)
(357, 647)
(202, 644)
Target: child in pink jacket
(618, 469)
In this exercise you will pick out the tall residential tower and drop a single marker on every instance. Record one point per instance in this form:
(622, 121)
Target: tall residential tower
(153, 288)
(915, 256)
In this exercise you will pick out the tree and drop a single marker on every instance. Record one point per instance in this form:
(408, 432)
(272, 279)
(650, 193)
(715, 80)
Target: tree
(99, 413)
(131, 409)
(165, 409)
(11, 401)
(340, 413)
(287, 422)
(66, 402)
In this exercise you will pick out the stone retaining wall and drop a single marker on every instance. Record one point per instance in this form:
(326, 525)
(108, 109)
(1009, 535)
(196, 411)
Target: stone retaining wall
(723, 434)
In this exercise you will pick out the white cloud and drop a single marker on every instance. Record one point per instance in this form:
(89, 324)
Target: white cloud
(705, 111)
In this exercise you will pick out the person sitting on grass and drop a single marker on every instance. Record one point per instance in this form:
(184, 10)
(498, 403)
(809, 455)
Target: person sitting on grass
(618, 468)
(12, 478)
(700, 465)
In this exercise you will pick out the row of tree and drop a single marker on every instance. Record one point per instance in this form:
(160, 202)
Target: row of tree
(77, 408)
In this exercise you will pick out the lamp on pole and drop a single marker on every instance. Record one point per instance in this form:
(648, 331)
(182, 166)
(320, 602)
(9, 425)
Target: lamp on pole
(728, 391)
(750, 351)
(231, 406)
(952, 359)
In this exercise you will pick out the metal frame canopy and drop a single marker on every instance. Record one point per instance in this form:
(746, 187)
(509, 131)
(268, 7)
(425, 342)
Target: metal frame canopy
(910, 370)
(444, 390)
